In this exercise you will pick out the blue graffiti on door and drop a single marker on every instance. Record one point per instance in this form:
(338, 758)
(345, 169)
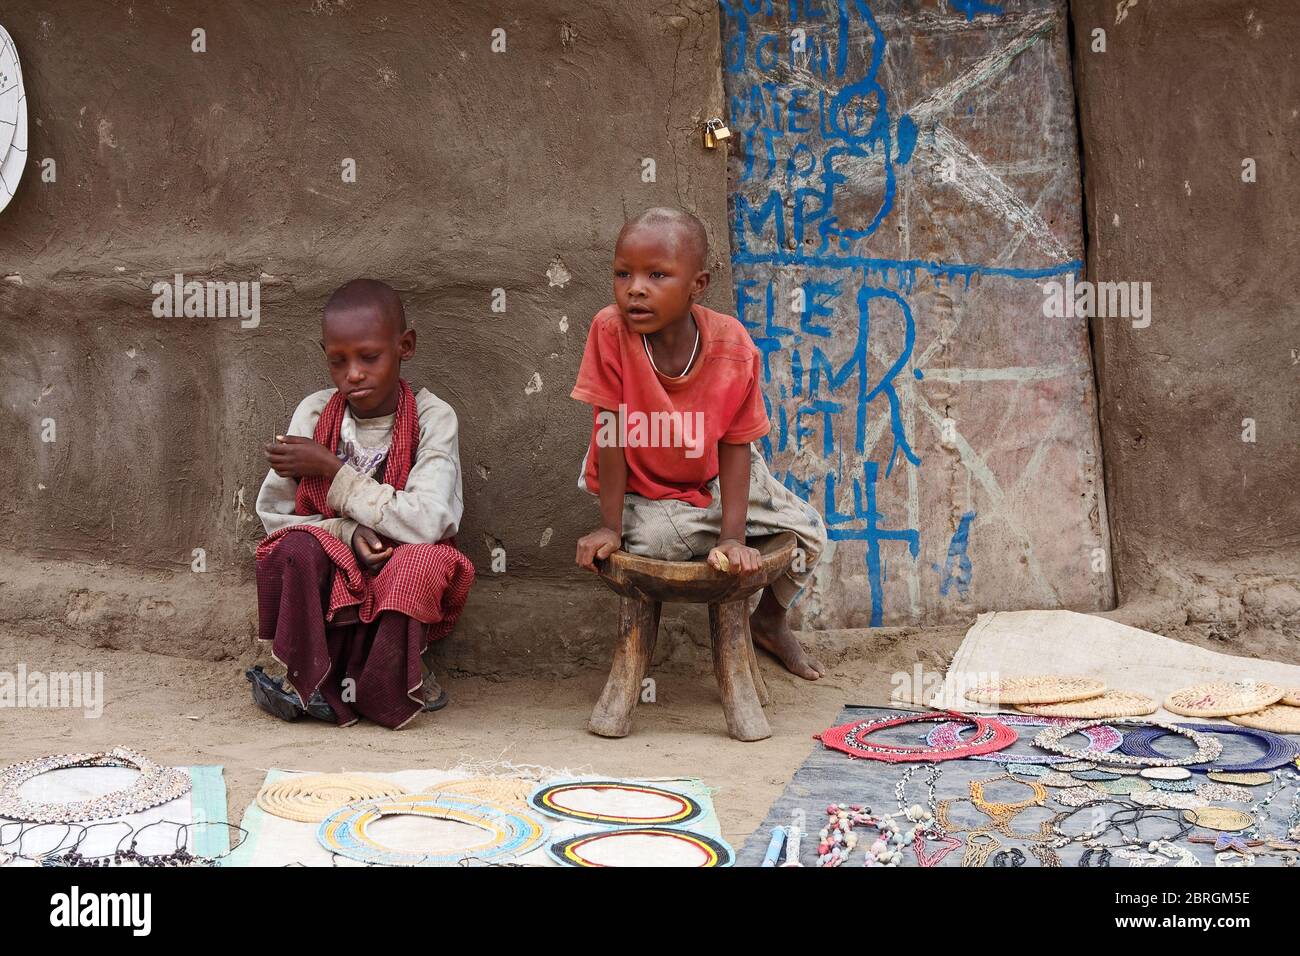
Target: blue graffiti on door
(811, 116)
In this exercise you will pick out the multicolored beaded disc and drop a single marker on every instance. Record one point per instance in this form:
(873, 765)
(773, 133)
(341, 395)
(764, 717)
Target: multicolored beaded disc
(1219, 818)
(1095, 774)
(510, 833)
(1070, 766)
(1027, 769)
(1166, 773)
(642, 846)
(615, 802)
(1125, 786)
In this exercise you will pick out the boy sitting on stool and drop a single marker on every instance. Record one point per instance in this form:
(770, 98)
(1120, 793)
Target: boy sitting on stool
(657, 364)
(356, 576)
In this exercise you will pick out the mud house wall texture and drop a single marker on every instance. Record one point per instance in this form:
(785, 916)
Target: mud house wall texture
(905, 178)
(1182, 97)
(476, 170)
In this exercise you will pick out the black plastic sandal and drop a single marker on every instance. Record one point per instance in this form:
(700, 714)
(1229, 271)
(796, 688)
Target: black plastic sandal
(270, 695)
(438, 704)
(319, 708)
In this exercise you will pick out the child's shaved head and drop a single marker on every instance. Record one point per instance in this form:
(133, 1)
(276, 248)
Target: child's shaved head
(690, 237)
(365, 341)
(368, 296)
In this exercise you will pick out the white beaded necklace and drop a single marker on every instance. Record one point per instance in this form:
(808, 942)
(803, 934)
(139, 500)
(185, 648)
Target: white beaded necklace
(689, 362)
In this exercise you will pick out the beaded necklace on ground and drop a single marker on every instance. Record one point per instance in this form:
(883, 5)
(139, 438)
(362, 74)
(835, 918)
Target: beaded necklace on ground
(1156, 853)
(130, 855)
(1135, 850)
(1207, 748)
(1241, 849)
(1278, 750)
(838, 838)
(980, 845)
(926, 824)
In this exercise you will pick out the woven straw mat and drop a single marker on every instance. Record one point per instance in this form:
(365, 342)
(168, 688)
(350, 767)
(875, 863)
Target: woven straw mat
(1040, 689)
(1279, 718)
(1113, 703)
(1222, 698)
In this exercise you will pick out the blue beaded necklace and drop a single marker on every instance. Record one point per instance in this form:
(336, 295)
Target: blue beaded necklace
(1277, 749)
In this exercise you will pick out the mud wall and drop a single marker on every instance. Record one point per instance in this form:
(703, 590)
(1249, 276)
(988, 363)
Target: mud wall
(1190, 120)
(495, 147)
(134, 439)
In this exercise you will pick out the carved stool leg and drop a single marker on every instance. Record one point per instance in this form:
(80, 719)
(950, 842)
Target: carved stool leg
(638, 626)
(760, 685)
(731, 667)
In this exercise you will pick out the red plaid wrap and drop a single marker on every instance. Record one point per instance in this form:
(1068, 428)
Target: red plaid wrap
(429, 582)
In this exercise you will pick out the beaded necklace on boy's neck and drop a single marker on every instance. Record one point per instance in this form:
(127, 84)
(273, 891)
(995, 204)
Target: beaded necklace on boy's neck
(689, 362)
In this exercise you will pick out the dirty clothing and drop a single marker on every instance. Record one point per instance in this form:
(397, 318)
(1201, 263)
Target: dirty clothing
(355, 636)
(676, 531)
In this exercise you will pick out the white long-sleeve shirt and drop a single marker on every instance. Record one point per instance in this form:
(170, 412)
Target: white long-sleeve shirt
(426, 511)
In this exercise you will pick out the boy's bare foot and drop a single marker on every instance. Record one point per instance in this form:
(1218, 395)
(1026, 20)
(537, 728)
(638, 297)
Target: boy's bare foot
(772, 633)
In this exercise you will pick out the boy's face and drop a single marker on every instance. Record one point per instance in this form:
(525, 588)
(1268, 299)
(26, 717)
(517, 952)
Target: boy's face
(657, 276)
(365, 350)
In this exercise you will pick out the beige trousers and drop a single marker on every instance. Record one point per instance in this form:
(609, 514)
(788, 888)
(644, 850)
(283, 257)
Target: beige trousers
(676, 531)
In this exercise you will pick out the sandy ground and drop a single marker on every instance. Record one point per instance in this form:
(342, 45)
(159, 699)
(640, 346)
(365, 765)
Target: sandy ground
(149, 700)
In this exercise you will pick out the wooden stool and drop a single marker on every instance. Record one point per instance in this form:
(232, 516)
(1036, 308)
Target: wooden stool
(644, 584)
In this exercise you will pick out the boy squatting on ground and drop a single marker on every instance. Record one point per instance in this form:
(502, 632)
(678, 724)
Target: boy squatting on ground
(352, 581)
(656, 351)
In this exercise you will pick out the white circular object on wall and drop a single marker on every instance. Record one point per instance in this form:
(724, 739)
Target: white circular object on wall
(13, 119)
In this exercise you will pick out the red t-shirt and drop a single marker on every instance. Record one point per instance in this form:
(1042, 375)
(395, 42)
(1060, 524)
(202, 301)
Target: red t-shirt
(670, 427)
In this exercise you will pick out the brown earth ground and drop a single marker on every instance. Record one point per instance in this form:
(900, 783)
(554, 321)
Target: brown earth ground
(184, 711)
(150, 700)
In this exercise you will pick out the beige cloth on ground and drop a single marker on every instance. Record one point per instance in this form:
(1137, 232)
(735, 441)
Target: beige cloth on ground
(275, 841)
(1024, 643)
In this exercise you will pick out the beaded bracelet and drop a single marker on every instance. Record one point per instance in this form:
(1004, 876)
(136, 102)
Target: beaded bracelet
(1103, 858)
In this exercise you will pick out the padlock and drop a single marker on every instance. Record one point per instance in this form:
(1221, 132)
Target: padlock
(715, 130)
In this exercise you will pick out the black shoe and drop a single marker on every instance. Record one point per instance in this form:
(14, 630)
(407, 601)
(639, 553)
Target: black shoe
(437, 704)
